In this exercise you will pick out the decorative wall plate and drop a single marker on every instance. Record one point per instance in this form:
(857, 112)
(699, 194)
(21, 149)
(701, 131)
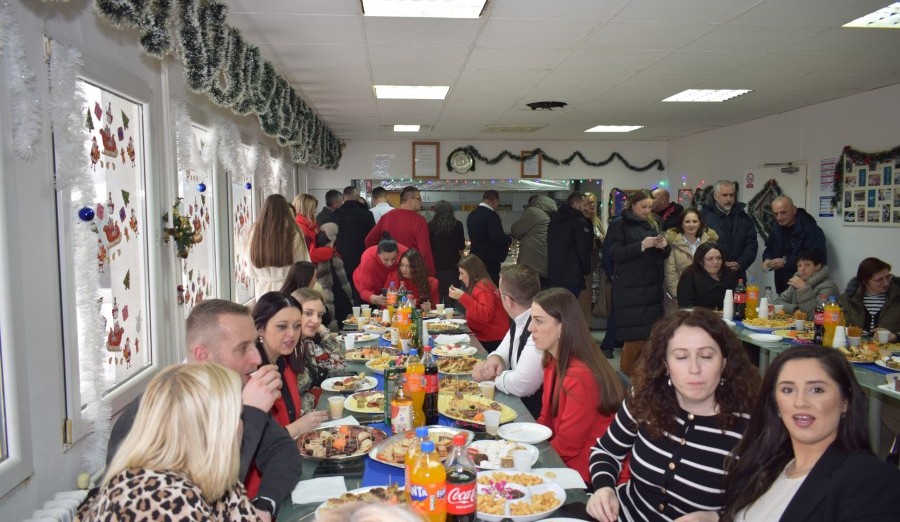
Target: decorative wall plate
(461, 162)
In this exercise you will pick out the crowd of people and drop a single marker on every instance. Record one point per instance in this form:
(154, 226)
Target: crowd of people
(686, 429)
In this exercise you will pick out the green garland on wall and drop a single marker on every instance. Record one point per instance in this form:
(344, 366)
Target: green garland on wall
(220, 63)
(473, 153)
(857, 158)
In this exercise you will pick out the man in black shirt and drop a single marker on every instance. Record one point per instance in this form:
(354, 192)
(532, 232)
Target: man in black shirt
(223, 332)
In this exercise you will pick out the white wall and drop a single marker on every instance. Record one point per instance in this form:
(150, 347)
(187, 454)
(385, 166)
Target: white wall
(867, 122)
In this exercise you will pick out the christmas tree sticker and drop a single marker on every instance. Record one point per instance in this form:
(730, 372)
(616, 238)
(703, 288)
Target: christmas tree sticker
(127, 281)
(89, 122)
(124, 120)
(126, 197)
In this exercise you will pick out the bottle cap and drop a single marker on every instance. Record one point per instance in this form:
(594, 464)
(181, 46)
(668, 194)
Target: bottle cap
(427, 446)
(422, 432)
(460, 439)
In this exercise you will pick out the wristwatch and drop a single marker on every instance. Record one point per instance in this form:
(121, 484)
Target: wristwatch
(265, 504)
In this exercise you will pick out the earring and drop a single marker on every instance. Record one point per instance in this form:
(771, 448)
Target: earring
(779, 414)
(722, 381)
(669, 381)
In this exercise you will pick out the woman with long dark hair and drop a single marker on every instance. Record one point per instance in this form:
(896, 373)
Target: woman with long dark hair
(684, 238)
(704, 283)
(275, 244)
(448, 240)
(872, 299)
(484, 311)
(806, 454)
(411, 272)
(689, 406)
(582, 392)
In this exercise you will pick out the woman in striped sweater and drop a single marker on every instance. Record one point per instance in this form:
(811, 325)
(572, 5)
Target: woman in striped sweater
(688, 409)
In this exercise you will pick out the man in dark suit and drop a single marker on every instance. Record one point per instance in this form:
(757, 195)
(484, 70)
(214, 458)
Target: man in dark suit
(488, 240)
(354, 223)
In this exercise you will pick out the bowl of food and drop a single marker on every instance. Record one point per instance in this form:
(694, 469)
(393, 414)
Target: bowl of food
(339, 443)
(520, 497)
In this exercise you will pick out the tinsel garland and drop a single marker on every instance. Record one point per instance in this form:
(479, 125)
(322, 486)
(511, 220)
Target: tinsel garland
(218, 62)
(25, 121)
(66, 104)
(181, 127)
(858, 158)
(473, 152)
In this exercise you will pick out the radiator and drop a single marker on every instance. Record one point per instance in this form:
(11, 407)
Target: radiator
(61, 509)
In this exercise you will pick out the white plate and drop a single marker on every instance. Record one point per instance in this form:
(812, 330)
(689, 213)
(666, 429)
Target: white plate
(442, 351)
(320, 510)
(484, 446)
(350, 404)
(527, 432)
(765, 338)
(379, 371)
(547, 486)
(883, 364)
(328, 385)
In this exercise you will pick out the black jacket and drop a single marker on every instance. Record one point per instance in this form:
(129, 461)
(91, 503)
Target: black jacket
(700, 289)
(488, 240)
(806, 235)
(354, 222)
(570, 240)
(668, 218)
(264, 443)
(737, 234)
(446, 246)
(846, 486)
(637, 277)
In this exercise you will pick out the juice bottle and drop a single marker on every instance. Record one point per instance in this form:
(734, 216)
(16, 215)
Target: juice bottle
(427, 484)
(752, 310)
(392, 297)
(401, 410)
(819, 321)
(404, 318)
(430, 406)
(415, 387)
(393, 379)
(414, 452)
(832, 320)
(740, 301)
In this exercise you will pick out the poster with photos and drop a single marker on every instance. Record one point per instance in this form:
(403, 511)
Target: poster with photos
(871, 194)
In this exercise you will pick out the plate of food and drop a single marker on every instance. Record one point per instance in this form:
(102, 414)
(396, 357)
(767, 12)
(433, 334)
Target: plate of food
(527, 432)
(768, 325)
(339, 442)
(860, 355)
(353, 383)
(891, 362)
(367, 353)
(801, 337)
(392, 451)
(371, 401)
(520, 497)
(453, 350)
(380, 364)
(449, 385)
(456, 365)
(497, 454)
(471, 408)
(446, 326)
(393, 494)
(765, 338)
(375, 328)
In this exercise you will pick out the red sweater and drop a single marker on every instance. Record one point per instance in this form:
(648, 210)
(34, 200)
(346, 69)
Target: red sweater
(406, 227)
(369, 276)
(485, 313)
(433, 294)
(310, 230)
(577, 424)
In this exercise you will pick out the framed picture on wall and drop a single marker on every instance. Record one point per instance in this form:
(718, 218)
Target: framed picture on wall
(871, 195)
(426, 155)
(531, 167)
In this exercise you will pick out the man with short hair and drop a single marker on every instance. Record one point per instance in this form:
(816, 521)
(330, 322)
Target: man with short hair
(354, 223)
(380, 206)
(793, 231)
(666, 210)
(570, 241)
(223, 332)
(486, 236)
(333, 200)
(406, 226)
(516, 365)
(737, 234)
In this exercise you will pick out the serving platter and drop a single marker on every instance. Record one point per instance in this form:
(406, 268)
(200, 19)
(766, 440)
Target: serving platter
(392, 451)
(339, 443)
(497, 454)
(472, 407)
(355, 384)
(533, 490)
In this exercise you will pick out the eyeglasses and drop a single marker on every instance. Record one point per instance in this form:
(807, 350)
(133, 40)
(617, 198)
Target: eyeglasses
(883, 279)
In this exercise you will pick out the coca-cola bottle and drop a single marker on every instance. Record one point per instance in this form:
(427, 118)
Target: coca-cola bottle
(461, 490)
(740, 301)
(430, 406)
(819, 320)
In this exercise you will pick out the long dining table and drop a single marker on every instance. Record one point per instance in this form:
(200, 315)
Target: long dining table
(375, 471)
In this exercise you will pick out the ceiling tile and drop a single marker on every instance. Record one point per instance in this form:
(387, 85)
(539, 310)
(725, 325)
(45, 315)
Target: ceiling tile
(716, 11)
(302, 29)
(534, 34)
(646, 35)
(420, 32)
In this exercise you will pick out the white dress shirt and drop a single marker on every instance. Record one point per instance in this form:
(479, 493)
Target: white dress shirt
(526, 372)
(380, 209)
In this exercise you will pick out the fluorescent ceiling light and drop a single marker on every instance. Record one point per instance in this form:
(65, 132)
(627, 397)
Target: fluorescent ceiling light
(884, 18)
(406, 128)
(614, 128)
(424, 8)
(706, 95)
(411, 92)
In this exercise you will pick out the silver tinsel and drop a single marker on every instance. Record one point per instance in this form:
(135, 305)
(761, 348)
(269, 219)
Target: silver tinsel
(23, 101)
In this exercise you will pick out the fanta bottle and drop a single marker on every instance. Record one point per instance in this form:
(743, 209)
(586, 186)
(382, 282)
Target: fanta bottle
(415, 387)
(752, 309)
(832, 320)
(414, 451)
(427, 484)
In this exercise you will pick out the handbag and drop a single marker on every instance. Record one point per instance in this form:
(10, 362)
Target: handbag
(603, 306)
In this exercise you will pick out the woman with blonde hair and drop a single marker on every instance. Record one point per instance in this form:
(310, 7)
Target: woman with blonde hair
(275, 245)
(306, 205)
(180, 460)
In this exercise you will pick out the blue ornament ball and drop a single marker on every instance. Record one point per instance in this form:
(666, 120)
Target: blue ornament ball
(248, 185)
(201, 187)
(86, 214)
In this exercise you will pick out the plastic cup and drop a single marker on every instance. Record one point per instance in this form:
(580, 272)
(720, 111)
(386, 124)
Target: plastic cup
(779, 309)
(799, 325)
(882, 336)
(487, 389)
(854, 341)
(349, 342)
(448, 313)
(357, 311)
(439, 307)
(366, 311)
(336, 406)
(491, 421)
(522, 460)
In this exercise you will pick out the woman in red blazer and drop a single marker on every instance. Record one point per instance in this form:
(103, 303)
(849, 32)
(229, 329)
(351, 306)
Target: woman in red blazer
(305, 206)
(484, 310)
(582, 392)
(412, 273)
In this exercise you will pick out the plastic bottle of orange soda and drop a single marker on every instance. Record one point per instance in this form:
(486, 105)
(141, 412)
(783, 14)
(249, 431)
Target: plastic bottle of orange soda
(832, 320)
(428, 483)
